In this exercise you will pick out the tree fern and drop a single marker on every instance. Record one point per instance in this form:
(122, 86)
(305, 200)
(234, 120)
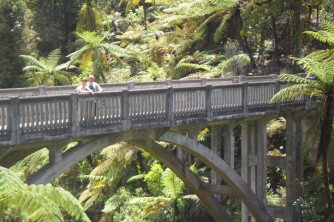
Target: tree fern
(323, 88)
(36, 202)
(325, 35)
(114, 202)
(31, 163)
(46, 71)
(107, 174)
(97, 51)
(173, 185)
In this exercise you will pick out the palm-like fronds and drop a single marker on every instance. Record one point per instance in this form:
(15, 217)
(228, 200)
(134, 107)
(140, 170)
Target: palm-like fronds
(31, 163)
(36, 202)
(91, 19)
(114, 202)
(108, 173)
(173, 185)
(325, 35)
(97, 51)
(46, 71)
(202, 13)
(321, 65)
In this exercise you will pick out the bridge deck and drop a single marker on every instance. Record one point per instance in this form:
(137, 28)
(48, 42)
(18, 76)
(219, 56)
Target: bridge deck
(50, 113)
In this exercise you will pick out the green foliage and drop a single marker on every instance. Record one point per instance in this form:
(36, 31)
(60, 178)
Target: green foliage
(90, 19)
(322, 88)
(46, 71)
(153, 179)
(312, 198)
(96, 51)
(13, 41)
(54, 22)
(325, 35)
(31, 163)
(36, 202)
(119, 198)
(108, 173)
(173, 185)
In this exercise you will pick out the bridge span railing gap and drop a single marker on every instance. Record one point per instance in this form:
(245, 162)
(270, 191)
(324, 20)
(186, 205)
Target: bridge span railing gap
(57, 112)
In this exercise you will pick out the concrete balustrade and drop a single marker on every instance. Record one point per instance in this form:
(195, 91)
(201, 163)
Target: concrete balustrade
(35, 118)
(169, 111)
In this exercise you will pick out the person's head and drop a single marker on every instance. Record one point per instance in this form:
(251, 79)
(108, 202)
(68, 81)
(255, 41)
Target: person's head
(83, 81)
(91, 78)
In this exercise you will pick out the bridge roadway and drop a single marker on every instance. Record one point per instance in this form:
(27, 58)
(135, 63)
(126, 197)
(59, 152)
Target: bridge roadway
(142, 113)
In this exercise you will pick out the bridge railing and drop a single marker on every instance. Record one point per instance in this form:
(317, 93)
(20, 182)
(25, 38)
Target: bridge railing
(58, 90)
(36, 118)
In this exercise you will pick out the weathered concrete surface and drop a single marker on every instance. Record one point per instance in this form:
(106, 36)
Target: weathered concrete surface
(243, 191)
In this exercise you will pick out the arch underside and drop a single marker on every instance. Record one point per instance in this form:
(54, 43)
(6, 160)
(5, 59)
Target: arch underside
(146, 139)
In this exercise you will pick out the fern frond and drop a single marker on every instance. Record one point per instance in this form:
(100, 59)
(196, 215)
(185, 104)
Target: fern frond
(31, 60)
(221, 28)
(37, 202)
(173, 185)
(53, 58)
(32, 68)
(293, 92)
(31, 163)
(136, 178)
(192, 197)
(157, 206)
(119, 198)
(295, 79)
(70, 204)
(183, 46)
(194, 66)
(325, 35)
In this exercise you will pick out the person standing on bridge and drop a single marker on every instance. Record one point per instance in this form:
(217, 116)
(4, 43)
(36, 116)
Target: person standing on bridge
(95, 87)
(84, 87)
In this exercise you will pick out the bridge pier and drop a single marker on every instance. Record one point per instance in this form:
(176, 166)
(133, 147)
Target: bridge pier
(216, 142)
(294, 166)
(253, 161)
(217, 133)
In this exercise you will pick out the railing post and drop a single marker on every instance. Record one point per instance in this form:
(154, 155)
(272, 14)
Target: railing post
(169, 82)
(131, 85)
(74, 118)
(15, 120)
(125, 109)
(42, 90)
(245, 97)
(170, 106)
(273, 76)
(236, 79)
(203, 81)
(209, 102)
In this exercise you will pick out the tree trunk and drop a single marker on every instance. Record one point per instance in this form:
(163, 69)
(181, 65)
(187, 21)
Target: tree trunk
(325, 139)
(297, 28)
(276, 49)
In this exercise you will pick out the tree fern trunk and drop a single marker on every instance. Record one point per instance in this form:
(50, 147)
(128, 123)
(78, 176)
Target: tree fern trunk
(297, 28)
(325, 139)
(145, 13)
(276, 50)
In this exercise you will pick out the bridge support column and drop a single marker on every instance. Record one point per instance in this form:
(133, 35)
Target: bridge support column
(216, 142)
(229, 145)
(216, 145)
(294, 167)
(253, 164)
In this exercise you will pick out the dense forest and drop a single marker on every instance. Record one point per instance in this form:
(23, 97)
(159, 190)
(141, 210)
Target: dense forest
(58, 42)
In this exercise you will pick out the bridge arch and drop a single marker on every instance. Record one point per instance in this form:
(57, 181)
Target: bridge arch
(72, 156)
(65, 160)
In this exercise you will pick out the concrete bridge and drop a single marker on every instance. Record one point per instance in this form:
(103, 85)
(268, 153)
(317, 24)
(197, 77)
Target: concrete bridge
(169, 111)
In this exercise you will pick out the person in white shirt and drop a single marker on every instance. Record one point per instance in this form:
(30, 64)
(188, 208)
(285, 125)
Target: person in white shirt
(95, 87)
(84, 87)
